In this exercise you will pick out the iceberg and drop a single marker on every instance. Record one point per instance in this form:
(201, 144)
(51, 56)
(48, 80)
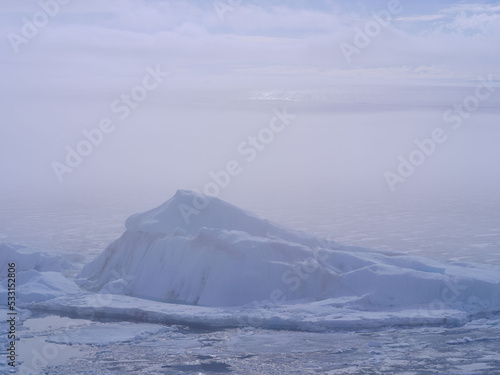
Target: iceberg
(39, 276)
(34, 286)
(27, 258)
(225, 258)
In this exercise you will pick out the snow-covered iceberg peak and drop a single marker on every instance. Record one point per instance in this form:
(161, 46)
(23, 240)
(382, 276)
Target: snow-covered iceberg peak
(191, 211)
(200, 250)
(188, 212)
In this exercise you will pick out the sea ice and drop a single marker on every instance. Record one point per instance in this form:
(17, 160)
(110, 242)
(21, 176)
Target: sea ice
(27, 258)
(34, 286)
(106, 334)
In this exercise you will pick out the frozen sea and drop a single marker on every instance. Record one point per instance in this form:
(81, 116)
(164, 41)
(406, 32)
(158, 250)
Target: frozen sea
(451, 229)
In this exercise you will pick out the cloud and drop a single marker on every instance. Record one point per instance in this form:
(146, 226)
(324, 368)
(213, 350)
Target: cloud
(474, 8)
(476, 23)
(93, 44)
(422, 18)
(469, 19)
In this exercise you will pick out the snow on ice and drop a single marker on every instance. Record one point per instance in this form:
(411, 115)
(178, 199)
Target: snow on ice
(199, 260)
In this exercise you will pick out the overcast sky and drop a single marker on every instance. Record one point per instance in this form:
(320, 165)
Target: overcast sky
(62, 68)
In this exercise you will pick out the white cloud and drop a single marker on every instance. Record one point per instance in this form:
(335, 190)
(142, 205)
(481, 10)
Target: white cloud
(422, 18)
(475, 8)
(93, 42)
(480, 23)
